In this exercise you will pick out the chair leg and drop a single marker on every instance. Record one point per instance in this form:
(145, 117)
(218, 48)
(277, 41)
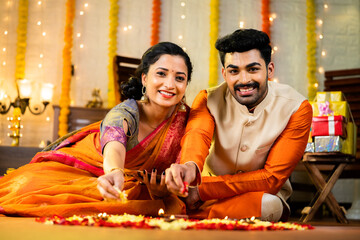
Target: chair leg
(324, 188)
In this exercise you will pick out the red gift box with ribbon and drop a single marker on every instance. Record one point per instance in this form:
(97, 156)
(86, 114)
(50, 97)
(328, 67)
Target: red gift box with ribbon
(329, 126)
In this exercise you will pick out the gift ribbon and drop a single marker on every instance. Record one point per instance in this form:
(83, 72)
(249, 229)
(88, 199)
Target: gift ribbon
(331, 125)
(328, 96)
(324, 109)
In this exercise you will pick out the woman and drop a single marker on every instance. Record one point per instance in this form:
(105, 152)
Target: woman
(136, 134)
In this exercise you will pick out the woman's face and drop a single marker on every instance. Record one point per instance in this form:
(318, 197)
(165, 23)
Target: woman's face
(166, 80)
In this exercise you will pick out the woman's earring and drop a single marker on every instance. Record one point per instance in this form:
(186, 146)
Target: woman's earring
(182, 107)
(144, 98)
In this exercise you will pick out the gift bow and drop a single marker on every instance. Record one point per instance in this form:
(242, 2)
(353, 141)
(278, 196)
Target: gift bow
(324, 109)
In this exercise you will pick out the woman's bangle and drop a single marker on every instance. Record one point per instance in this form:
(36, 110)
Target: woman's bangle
(116, 168)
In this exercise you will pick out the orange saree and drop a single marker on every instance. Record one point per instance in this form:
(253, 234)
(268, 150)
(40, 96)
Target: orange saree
(63, 181)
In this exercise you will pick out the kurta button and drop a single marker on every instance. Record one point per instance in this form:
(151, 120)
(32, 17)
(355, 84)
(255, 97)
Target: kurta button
(248, 123)
(243, 148)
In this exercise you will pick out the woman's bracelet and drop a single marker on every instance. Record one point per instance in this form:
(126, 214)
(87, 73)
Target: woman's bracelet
(116, 168)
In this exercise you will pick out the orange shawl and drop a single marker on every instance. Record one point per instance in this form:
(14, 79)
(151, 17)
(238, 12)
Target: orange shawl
(63, 181)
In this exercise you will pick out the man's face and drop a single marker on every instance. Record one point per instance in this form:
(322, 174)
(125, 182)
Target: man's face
(246, 75)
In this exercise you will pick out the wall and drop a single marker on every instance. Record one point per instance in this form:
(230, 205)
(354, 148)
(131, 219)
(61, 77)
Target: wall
(340, 28)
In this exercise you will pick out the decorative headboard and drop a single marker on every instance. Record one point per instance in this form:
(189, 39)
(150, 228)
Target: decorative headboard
(124, 67)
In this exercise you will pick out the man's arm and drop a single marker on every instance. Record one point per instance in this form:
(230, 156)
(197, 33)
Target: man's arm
(199, 132)
(195, 147)
(282, 159)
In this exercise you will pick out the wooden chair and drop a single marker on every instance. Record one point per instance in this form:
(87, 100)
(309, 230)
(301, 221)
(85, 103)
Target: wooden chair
(124, 67)
(347, 81)
(311, 162)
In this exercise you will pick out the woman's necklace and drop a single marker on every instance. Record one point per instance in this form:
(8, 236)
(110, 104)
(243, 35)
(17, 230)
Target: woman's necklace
(144, 119)
(147, 124)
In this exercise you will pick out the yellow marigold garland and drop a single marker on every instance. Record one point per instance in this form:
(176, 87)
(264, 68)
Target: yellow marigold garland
(114, 19)
(311, 48)
(21, 39)
(214, 31)
(66, 80)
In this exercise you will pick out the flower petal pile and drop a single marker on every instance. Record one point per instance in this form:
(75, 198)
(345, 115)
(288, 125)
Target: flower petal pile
(143, 222)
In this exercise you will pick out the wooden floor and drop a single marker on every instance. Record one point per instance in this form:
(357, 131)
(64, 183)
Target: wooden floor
(26, 228)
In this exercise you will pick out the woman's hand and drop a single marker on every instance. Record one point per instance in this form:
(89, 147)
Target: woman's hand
(110, 184)
(156, 189)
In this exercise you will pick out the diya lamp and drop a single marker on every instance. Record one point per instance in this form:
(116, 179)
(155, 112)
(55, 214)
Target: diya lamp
(170, 217)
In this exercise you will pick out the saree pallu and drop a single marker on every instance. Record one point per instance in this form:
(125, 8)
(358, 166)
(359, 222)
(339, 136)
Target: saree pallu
(63, 181)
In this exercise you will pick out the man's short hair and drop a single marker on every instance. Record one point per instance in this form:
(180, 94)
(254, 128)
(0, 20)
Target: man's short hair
(243, 40)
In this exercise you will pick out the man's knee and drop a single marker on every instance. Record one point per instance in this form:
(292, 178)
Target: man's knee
(271, 208)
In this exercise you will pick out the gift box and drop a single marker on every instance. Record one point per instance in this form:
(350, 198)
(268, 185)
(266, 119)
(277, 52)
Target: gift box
(310, 147)
(349, 145)
(336, 143)
(329, 126)
(330, 109)
(328, 143)
(332, 96)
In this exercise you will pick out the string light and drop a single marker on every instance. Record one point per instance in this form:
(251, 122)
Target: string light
(78, 34)
(241, 24)
(41, 24)
(86, 5)
(81, 13)
(5, 75)
(321, 51)
(272, 17)
(182, 17)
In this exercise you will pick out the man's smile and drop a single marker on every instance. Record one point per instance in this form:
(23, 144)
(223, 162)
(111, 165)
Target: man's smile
(244, 90)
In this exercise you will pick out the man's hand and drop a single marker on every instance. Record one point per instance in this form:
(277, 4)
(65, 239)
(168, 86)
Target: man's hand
(110, 184)
(193, 200)
(177, 174)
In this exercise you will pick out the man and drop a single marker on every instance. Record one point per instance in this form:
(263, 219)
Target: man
(257, 130)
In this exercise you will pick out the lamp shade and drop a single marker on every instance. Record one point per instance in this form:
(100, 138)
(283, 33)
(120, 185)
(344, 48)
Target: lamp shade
(47, 92)
(2, 95)
(25, 88)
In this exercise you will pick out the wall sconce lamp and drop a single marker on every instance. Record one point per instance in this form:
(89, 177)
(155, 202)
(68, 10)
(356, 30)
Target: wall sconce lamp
(21, 102)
